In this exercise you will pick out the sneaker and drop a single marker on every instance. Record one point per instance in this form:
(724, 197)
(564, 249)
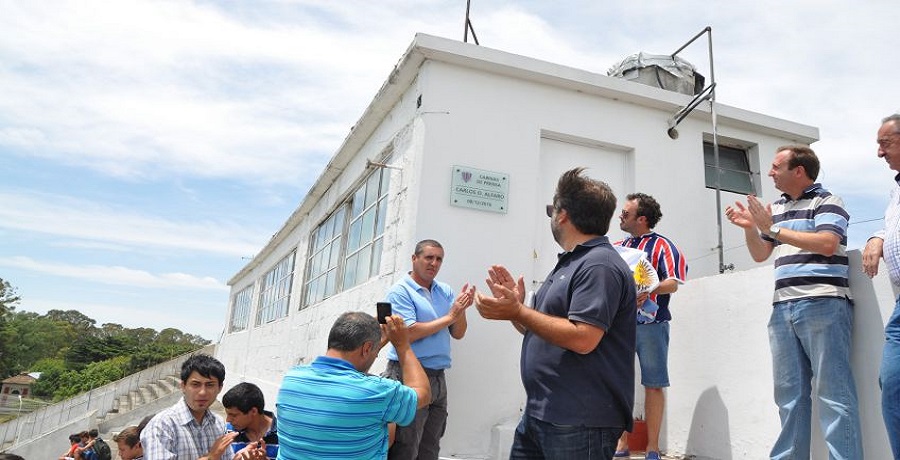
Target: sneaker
(622, 454)
(652, 455)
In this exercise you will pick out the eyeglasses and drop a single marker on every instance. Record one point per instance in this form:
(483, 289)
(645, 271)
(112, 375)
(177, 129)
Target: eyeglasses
(884, 143)
(550, 209)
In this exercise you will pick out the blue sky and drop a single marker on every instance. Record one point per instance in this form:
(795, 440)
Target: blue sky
(148, 148)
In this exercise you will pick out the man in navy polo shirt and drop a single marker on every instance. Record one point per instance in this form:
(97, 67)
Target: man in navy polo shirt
(433, 315)
(579, 394)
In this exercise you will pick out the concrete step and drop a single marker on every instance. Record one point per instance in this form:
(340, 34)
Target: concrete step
(156, 390)
(135, 397)
(146, 394)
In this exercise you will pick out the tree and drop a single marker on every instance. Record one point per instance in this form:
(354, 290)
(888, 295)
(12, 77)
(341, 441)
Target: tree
(8, 298)
(75, 355)
(52, 371)
(79, 321)
(87, 349)
(27, 337)
(111, 330)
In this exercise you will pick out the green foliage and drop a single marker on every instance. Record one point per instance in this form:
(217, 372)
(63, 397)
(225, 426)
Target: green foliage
(87, 349)
(73, 354)
(52, 371)
(28, 337)
(8, 298)
(92, 376)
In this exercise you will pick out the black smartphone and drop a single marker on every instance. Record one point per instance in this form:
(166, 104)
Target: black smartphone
(384, 310)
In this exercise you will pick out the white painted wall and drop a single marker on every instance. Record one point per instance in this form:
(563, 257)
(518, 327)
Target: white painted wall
(720, 404)
(530, 120)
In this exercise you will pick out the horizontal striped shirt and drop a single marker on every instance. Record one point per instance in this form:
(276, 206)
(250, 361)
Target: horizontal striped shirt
(800, 273)
(329, 410)
(270, 438)
(668, 262)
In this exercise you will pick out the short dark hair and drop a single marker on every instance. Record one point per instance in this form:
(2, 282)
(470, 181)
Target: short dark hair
(94, 433)
(589, 203)
(130, 436)
(802, 155)
(204, 365)
(143, 423)
(9, 456)
(352, 329)
(244, 396)
(647, 207)
(421, 245)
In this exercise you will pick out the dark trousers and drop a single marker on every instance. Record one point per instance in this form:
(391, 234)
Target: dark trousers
(421, 439)
(537, 440)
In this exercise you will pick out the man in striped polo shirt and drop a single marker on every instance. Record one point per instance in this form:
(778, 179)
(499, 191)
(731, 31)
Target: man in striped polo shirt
(332, 408)
(639, 216)
(812, 314)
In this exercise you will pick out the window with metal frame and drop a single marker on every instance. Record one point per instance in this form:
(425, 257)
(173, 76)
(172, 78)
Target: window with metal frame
(324, 258)
(734, 165)
(275, 291)
(345, 249)
(240, 309)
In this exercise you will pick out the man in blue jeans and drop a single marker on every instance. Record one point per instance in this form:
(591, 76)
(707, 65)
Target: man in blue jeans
(812, 314)
(577, 360)
(886, 243)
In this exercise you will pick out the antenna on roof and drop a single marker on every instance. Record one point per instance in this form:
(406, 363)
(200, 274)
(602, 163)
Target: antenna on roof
(468, 26)
(707, 94)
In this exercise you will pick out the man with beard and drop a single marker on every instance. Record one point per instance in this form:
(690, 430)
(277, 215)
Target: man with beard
(580, 394)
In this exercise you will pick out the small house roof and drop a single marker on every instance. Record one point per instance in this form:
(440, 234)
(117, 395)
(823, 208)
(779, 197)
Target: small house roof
(22, 379)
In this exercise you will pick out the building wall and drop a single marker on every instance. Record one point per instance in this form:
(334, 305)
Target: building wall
(720, 404)
(263, 353)
(11, 389)
(531, 131)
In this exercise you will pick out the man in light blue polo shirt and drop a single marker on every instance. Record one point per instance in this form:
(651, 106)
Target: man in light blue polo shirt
(433, 315)
(332, 409)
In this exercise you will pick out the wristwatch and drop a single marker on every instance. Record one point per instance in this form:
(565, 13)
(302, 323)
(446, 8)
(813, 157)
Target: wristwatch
(774, 230)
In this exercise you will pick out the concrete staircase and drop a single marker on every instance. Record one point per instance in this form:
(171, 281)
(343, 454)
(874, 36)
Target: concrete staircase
(148, 399)
(109, 408)
(145, 394)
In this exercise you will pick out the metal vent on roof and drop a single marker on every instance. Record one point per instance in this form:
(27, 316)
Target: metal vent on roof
(660, 70)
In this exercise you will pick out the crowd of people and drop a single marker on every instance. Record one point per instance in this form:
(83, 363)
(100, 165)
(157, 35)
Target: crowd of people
(87, 445)
(581, 331)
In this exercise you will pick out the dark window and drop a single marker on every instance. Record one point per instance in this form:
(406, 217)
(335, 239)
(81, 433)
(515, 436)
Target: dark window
(734, 166)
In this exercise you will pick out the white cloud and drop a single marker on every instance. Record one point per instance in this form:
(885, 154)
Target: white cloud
(85, 220)
(121, 276)
(264, 93)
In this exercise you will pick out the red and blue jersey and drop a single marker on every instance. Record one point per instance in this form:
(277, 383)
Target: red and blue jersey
(666, 259)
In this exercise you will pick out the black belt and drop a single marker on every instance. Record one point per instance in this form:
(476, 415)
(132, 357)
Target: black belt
(433, 372)
(428, 372)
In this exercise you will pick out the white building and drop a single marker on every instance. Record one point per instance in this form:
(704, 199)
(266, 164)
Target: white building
(450, 108)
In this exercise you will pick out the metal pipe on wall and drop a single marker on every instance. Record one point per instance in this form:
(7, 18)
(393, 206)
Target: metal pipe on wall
(708, 93)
